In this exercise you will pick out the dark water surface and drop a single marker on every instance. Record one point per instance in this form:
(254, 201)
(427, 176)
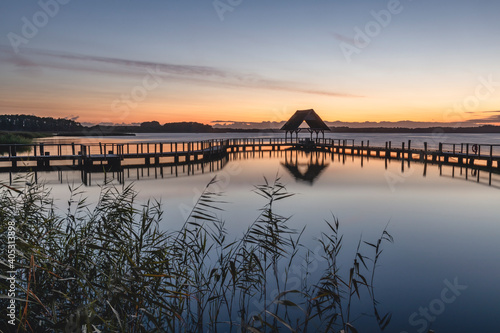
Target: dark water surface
(442, 270)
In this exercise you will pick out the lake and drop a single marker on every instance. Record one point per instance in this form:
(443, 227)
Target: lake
(440, 273)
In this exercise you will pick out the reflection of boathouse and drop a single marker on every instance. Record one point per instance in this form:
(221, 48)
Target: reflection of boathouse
(309, 168)
(314, 122)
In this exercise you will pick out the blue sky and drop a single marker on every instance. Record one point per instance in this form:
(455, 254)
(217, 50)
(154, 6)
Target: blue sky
(263, 61)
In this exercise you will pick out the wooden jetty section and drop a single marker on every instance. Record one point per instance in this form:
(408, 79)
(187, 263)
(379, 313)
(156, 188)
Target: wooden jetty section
(116, 156)
(313, 162)
(111, 156)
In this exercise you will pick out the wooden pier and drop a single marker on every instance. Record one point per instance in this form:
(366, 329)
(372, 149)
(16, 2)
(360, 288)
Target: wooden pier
(116, 156)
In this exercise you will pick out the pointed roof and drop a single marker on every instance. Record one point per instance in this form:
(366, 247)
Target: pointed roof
(310, 117)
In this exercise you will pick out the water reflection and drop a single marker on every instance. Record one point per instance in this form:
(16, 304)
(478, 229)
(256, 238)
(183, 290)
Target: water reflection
(159, 171)
(304, 166)
(445, 225)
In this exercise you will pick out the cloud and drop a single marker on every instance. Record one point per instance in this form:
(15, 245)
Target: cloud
(482, 112)
(72, 117)
(495, 119)
(345, 39)
(490, 119)
(192, 73)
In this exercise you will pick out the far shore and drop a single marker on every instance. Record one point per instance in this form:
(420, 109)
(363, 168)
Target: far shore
(27, 137)
(110, 131)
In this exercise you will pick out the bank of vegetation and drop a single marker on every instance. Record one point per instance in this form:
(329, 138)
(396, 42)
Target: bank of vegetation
(111, 268)
(24, 138)
(18, 138)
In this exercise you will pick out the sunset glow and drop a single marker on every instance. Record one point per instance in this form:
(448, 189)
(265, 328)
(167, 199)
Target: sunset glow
(251, 62)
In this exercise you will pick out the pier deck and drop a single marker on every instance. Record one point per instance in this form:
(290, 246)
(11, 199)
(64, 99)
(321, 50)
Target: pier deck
(114, 156)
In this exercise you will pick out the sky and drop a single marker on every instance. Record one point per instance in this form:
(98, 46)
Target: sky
(223, 61)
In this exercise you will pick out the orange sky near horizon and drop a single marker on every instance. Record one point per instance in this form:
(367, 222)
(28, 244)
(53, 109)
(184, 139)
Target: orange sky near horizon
(216, 102)
(171, 61)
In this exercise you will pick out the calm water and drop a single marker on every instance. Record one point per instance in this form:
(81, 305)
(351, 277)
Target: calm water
(376, 139)
(445, 221)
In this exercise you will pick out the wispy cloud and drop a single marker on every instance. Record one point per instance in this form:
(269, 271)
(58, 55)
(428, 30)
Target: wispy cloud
(482, 112)
(72, 117)
(494, 119)
(342, 38)
(121, 67)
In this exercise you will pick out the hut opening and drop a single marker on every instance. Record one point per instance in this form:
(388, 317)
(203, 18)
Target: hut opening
(313, 121)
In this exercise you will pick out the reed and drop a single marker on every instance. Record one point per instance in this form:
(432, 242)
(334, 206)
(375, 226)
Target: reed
(110, 267)
(22, 139)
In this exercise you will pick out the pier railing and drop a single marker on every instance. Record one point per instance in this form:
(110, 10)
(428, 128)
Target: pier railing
(104, 148)
(469, 149)
(45, 154)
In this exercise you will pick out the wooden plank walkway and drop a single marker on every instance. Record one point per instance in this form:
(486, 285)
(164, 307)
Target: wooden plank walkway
(115, 156)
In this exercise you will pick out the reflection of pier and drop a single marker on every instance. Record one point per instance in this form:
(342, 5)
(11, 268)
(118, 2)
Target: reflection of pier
(306, 171)
(123, 157)
(156, 171)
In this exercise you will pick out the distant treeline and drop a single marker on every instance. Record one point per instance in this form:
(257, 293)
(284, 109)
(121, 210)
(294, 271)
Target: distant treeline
(70, 127)
(37, 124)
(65, 126)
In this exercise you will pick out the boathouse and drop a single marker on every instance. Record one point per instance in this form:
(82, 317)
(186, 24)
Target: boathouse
(314, 122)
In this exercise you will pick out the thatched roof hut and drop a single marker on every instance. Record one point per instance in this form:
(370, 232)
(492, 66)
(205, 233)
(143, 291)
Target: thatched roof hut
(315, 123)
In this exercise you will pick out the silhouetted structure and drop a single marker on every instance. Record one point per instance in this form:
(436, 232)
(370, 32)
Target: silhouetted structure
(309, 171)
(316, 125)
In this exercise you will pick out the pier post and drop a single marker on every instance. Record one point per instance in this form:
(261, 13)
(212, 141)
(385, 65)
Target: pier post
(80, 156)
(87, 162)
(490, 160)
(409, 150)
(13, 153)
(440, 152)
(466, 154)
